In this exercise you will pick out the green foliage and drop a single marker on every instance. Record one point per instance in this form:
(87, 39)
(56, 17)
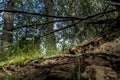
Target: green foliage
(52, 51)
(2, 58)
(21, 51)
(20, 58)
(24, 50)
(29, 26)
(23, 46)
(75, 73)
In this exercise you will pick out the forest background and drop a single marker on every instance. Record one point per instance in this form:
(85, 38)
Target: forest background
(35, 28)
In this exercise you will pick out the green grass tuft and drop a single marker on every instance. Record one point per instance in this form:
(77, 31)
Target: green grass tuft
(17, 54)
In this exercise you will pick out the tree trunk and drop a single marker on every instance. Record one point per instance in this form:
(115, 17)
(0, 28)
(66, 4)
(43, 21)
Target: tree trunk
(50, 39)
(8, 24)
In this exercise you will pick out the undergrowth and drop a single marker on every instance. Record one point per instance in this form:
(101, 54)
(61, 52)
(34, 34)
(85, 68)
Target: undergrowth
(19, 52)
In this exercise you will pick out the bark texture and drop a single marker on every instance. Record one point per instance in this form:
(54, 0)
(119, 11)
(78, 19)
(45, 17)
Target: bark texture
(50, 39)
(7, 37)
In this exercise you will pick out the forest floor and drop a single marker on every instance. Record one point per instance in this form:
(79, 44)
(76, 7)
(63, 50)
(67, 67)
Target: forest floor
(94, 59)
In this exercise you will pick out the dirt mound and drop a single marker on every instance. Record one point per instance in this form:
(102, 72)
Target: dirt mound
(95, 59)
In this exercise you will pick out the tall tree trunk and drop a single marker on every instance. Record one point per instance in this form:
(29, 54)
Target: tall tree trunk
(8, 24)
(50, 39)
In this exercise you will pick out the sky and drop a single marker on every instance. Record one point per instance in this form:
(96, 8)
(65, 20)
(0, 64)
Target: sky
(1, 0)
